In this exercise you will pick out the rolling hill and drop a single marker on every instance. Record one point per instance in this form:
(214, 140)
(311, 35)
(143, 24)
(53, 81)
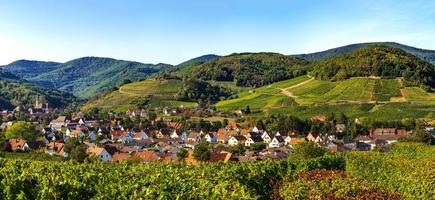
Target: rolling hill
(29, 68)
(424, 54)
(151, 92)
(251, 69)
(84, 77)
(375, 60)
(15, 91)
(357, 97)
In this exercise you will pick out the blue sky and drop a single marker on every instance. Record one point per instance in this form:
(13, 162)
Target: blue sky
(172, 31)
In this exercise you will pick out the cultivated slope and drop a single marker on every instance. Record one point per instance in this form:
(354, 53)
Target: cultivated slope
(376, 60)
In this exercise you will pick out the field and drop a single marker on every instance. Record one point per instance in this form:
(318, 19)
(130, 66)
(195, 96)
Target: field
(157, 93)
(356, 97)
(405, 172)
(266, 97)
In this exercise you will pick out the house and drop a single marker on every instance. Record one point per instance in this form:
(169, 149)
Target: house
(18, 145)
(233, 126)
(222, 135)
(119, 157)
(237, 139)
(266, 137)
(253, 139)
(256, 130)
(220, 157)
(340, 128)
(145, 156)
(55, 148)
(211, 137)
(193, 137)
(75, 134)
(58, 123)
(99, 152)
(140, 136)
(121, 136)
(287, 140)
(175, 134)
(311, 136)
(277, 141)
(92, 137)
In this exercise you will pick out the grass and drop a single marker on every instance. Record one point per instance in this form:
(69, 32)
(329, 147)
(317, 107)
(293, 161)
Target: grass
(385, 89)
(269, 96)
(356, 97)
(158, 94)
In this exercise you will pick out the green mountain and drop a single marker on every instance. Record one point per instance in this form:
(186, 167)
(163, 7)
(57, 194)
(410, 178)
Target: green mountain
(15, 91)
(251, 69)
(30, 68)
(427, 55)
(376, 60)
(88, 76)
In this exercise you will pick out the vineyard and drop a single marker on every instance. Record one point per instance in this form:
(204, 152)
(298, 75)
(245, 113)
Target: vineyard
(372, 173)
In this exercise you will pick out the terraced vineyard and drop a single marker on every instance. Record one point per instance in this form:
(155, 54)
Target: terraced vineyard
(270, 96)
(157, 93)
(357, 97)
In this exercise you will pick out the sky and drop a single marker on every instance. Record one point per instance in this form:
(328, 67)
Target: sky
(173, 31)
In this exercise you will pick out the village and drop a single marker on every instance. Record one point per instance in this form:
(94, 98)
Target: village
(167, 140)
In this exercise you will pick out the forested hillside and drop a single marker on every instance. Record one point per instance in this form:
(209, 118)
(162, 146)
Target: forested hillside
(427, 55)
(15, 91)
(30, 68)
(376, 60)
(251, 69)
(88, 76)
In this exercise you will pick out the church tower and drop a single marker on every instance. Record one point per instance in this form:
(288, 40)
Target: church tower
(38, 104)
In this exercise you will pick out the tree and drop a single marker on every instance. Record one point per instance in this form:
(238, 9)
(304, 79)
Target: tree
(238, 150)
(258, 146)
(21, 130)
(202, 151)
(307, 150)
(182, 154)
(248, 110)
(79, 153)
(152, 116)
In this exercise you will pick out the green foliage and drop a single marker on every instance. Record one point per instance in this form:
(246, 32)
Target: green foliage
(306, 151)
(194, 90)
(15, 91)
(328, 185)
(100, 75)
(376, 60)
(182, 154)
(408, 169)
(202, 151)
(21, 130)
(75, 149)
(70, 180)
(251, 69)
(238, 150)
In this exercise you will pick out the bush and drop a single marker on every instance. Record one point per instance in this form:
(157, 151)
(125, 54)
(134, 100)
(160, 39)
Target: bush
(408, 169)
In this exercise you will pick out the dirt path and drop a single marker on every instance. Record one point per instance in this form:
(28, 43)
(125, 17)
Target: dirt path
(129, 93)
(288, 93)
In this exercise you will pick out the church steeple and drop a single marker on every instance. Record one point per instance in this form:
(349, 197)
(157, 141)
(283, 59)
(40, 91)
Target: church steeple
(38, 104)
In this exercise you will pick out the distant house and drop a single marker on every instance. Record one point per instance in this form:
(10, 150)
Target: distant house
(211, 137)
(175, 134)
(237, 139)
(18, 145)
(55, 148)
(253, 140)
(296, 140)
(340, 128)
(220, 157)
(266, 137)
(140, 136)
(311, 136)
(193, 137)
(277, 141)
(222, 136)
(121, 136)
(99, 152)
(58, 123)
(119, 157)
(145, 156)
